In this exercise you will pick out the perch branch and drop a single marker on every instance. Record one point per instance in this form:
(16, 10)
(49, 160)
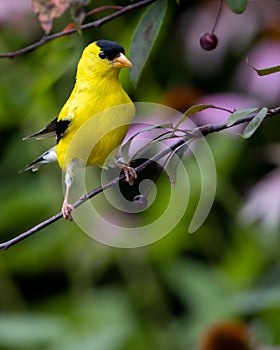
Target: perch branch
(94, 24)
(198, 132)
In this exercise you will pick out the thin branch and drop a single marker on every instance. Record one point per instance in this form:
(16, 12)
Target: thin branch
(95, 24)
(103, 8)
(196, 133)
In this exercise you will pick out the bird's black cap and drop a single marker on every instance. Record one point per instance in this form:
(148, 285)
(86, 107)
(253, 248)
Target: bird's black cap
(110, 49)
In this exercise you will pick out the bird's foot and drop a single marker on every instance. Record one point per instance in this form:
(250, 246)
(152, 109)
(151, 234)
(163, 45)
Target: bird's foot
(66, 210)
(130, 174)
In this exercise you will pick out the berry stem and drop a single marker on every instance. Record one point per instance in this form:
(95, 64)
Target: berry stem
(218, 16)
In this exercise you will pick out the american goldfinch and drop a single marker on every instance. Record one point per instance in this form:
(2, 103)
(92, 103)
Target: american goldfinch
(95, 118)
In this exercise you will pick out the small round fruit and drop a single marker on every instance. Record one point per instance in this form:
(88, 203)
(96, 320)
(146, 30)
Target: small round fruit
(208, 41)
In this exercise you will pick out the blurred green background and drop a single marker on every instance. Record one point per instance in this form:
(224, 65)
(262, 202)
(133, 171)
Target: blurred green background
(60, 289)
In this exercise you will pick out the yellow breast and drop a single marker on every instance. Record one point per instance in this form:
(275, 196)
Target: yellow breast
(99, 121)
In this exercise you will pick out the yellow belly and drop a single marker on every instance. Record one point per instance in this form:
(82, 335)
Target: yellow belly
(97, 139)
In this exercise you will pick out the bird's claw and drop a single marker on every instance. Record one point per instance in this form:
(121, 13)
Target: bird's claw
(66, 210)
(130, 174)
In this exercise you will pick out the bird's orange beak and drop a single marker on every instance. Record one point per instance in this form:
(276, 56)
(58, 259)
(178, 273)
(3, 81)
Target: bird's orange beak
(121, 62)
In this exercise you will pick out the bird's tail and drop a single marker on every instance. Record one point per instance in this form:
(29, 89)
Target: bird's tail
(45, 158)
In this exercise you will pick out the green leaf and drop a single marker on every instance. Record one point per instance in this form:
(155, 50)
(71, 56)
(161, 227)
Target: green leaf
(239, 114)
(237, 6)
(195, 109)
(254, 123)
(265, 71)
(144, 38)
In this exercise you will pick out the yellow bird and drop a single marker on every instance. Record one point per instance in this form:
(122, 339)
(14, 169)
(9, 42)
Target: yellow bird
(94, 120)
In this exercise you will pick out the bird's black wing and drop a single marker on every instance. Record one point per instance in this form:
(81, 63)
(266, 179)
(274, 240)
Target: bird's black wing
(61, 127)
(53, 129)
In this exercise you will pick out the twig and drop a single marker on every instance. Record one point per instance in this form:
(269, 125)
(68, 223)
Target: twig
(196, 133)
(103, 8)
(95, 24)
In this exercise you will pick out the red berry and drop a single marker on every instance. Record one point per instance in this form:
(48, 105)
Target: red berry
(208, 41)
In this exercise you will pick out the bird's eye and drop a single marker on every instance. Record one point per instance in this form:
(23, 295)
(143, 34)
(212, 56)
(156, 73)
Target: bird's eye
(102, 55)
